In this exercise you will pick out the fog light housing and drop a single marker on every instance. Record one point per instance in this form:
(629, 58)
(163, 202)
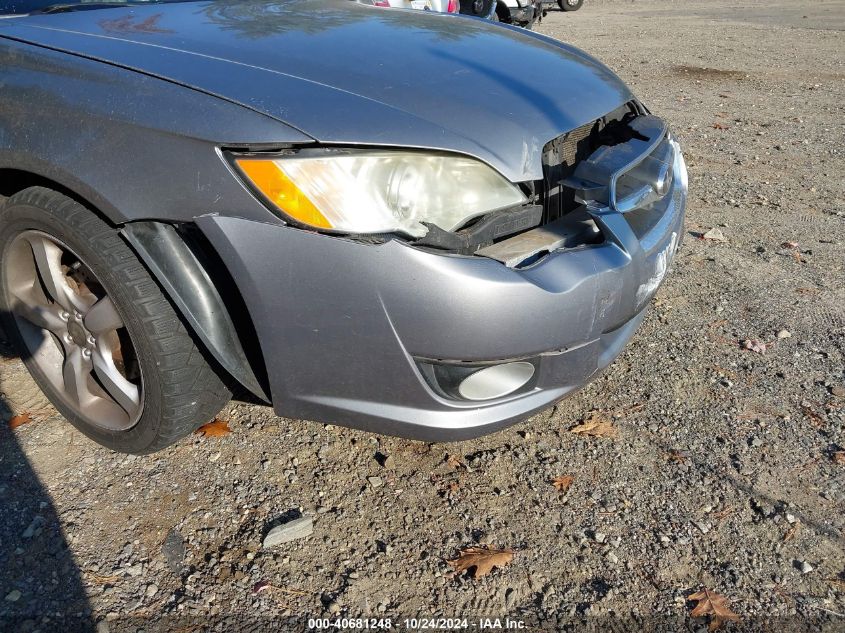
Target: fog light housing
(496, 381)
(478, 382)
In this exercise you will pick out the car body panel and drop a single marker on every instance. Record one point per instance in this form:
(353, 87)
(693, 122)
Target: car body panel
(409, 78)
(76, 122)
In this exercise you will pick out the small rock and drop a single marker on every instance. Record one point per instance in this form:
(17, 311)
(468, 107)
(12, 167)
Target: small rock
(134, 570)
(173, 550)
(102, 626)
(715, 235)
(13, 596)
(803, 566)
(389, 462)
(290, 531)
(756, 442)
(34, 527)
(791, 518)
(838, 391)
(599, 537)
(152, 590)
(703, 526)
(375, 482)
(510, 598)
(213, 458)
(784, 334)
(334, 608)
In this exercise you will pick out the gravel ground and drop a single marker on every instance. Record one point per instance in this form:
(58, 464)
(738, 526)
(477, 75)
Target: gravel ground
(725, 473)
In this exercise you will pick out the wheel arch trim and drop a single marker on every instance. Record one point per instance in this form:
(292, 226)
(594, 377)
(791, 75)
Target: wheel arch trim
(187, 282)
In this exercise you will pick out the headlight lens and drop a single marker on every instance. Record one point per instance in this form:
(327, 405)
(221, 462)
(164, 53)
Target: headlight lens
(381, 191)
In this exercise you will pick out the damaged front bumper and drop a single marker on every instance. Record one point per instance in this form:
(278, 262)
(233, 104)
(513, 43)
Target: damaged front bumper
(369, 335)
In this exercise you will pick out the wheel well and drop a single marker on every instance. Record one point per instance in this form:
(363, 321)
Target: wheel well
(13, 181)
(502, 11)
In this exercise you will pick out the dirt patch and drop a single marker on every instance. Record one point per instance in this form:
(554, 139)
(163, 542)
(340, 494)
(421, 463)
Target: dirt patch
(697, 72)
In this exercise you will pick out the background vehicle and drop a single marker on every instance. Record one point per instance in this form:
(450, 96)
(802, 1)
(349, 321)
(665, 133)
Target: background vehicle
(518, 12)
(438, 6)
(565, 5)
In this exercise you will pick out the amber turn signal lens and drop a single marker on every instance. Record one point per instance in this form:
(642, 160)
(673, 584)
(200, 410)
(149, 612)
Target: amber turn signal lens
(271, 181)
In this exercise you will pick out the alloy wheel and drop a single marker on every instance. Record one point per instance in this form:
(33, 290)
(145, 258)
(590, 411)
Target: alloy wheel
(72, 331)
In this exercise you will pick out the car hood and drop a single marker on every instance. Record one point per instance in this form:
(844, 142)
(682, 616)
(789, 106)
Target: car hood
(344, 73)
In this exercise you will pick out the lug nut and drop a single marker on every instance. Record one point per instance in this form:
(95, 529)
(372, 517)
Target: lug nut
(91, 340)
(67, 339)
(64, 315)
(86, 353)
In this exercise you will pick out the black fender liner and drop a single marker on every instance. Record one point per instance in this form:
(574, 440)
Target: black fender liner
(188, 284)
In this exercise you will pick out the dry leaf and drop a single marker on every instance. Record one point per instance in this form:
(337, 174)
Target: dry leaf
(755, 345)
(596, 425)
(19, 420)
(676, 456)
(261, 585)
(712, 604)
(563, 482)
(791, 532)
(482, 559)
(839, 457)
(720, 126)
(815, 419)
(790, 244)
(455, 462)
(449, 489)
(215, 428)
(102, 580)
(722, 514)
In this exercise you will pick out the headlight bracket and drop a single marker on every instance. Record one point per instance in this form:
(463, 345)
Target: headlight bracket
(483, 230)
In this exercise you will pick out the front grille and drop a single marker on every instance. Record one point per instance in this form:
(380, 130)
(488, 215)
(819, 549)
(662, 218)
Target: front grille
(562, 155)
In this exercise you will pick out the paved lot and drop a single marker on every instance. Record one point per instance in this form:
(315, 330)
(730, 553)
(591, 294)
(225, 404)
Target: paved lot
(726, 471)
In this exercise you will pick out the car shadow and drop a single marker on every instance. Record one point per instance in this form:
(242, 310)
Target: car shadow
(41, 585)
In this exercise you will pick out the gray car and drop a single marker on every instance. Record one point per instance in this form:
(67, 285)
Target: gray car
(418, 224)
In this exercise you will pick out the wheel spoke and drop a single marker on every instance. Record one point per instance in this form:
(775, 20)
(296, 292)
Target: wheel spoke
(40, 316)
(124, 393)
(75, 374)
(103, 317)
(48, 261)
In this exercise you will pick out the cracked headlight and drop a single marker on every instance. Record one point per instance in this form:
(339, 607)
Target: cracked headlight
(380, 191)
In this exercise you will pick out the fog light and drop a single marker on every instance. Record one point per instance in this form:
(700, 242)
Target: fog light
(496, 381)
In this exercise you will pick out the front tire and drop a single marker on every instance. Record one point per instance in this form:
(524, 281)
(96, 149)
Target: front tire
(95, 330)
(570, 5)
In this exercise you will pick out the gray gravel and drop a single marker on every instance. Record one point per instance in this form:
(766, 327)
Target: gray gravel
(723, 474)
